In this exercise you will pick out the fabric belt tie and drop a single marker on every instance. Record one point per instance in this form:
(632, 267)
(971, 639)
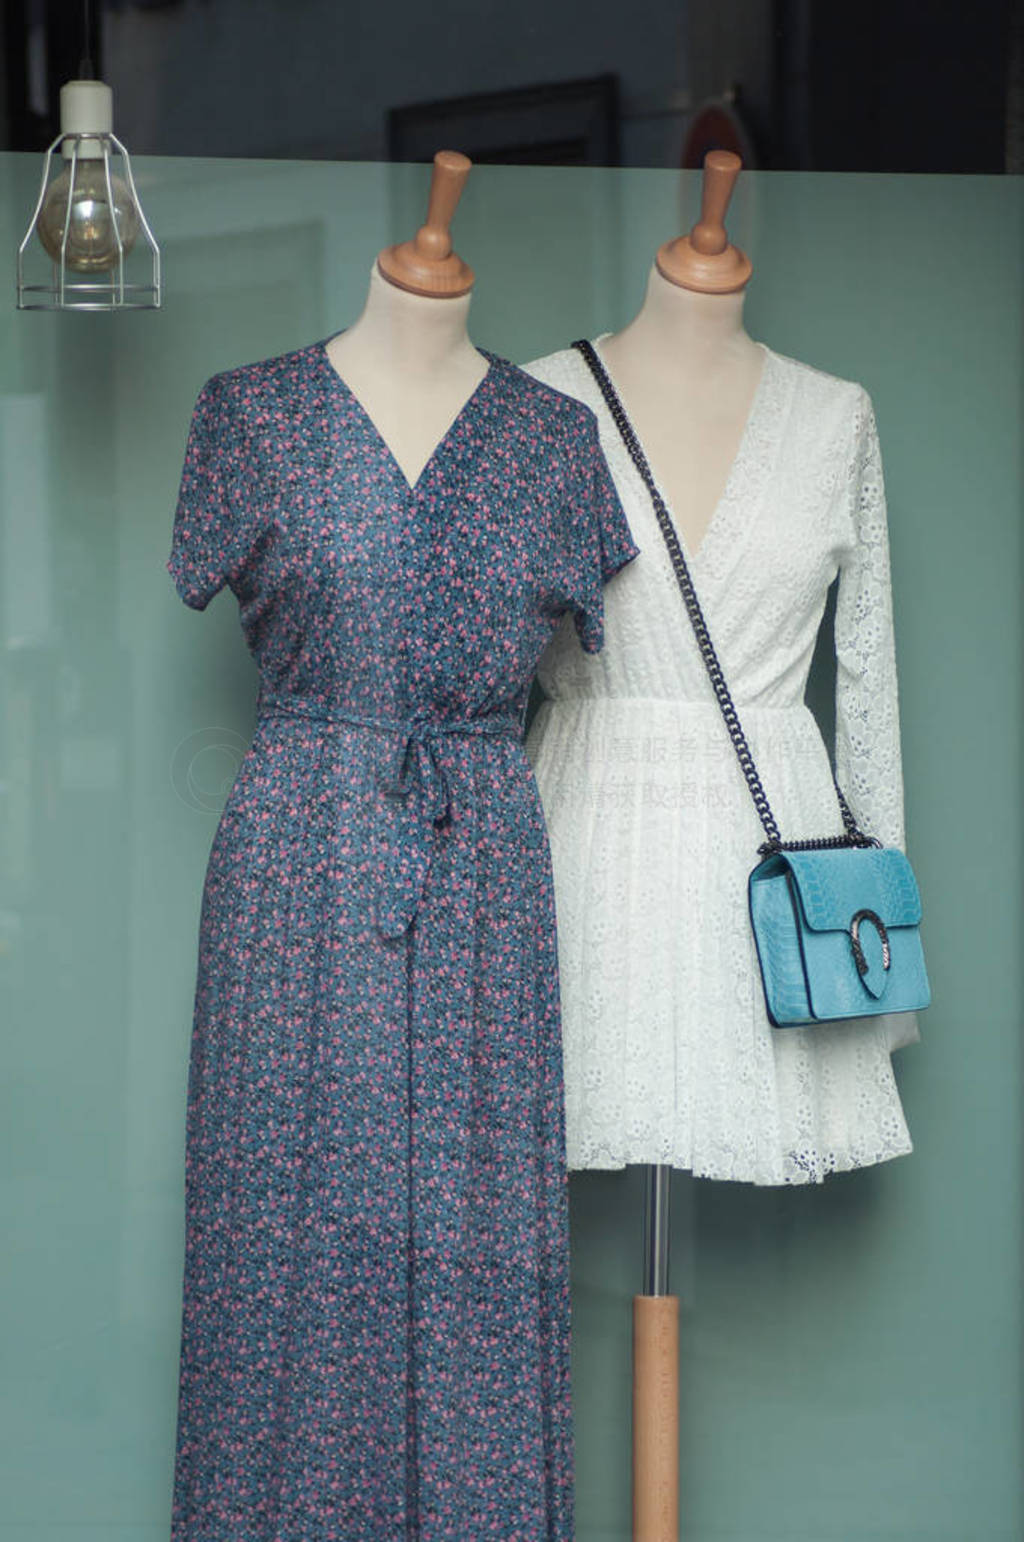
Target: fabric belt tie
(405, 852)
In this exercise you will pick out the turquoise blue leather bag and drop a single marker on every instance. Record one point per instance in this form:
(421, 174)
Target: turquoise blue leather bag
(836, 920)
(837, 932)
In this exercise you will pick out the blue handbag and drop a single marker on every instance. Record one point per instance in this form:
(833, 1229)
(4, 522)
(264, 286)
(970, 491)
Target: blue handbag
(837, 933)
(836, 920)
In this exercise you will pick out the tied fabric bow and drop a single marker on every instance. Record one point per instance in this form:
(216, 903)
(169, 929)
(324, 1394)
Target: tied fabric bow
(417, 765)
(415, 799)
(407, 839)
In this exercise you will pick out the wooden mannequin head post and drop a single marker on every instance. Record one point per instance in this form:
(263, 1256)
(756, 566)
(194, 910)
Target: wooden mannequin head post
(427, 265)
(704, 260)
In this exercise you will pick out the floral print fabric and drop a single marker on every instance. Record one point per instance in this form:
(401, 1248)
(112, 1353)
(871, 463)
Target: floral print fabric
(376, 1315)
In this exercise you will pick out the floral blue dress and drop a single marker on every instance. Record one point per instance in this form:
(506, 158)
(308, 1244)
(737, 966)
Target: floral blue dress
(375, 1331)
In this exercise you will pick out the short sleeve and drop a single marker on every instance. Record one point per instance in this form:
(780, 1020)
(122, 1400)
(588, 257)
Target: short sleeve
(212, 523)
(604, 540)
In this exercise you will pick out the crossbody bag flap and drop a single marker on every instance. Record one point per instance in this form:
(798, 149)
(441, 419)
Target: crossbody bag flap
(832, 888)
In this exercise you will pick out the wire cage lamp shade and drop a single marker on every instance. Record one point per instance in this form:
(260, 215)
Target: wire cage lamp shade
(88, 246)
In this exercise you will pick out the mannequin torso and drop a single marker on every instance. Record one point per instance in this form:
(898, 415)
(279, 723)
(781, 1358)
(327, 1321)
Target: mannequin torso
(410, 363)
(687, 373)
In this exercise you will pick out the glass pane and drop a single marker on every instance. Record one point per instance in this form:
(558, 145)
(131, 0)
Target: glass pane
(850, 1354)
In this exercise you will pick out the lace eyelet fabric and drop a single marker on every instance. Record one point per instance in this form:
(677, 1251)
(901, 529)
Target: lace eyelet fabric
(669, 1054)
(375, 1331)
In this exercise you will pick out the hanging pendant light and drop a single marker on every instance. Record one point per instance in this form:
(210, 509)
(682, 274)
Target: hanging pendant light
(88, 220)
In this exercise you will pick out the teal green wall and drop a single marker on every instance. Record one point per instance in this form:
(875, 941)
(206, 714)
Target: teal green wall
(850, 1355)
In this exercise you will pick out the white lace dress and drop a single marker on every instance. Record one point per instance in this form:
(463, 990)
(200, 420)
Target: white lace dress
(669, 1055)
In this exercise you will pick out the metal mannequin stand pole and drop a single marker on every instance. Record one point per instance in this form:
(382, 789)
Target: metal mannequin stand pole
(656, 1377)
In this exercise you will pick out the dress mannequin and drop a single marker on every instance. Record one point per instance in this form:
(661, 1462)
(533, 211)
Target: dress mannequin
(408, 358)
(376, 1038)
(771, 471)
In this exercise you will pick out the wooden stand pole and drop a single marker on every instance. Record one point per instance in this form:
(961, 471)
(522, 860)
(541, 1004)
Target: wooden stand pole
(655, 1418)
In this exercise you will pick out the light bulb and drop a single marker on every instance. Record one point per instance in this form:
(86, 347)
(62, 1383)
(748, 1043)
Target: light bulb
(92, 235)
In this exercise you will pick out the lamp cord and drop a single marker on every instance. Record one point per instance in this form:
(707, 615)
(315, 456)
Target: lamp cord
(86, 68)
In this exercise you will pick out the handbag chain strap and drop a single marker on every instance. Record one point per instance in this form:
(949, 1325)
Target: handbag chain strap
(853, 836)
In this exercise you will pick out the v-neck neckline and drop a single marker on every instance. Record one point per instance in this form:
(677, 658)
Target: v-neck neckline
(342, 385)
(736, 466)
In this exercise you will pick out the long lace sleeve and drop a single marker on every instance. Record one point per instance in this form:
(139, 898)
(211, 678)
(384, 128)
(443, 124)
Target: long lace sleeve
(868, 763)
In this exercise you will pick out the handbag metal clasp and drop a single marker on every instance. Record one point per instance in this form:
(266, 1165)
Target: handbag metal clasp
(858, 952)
